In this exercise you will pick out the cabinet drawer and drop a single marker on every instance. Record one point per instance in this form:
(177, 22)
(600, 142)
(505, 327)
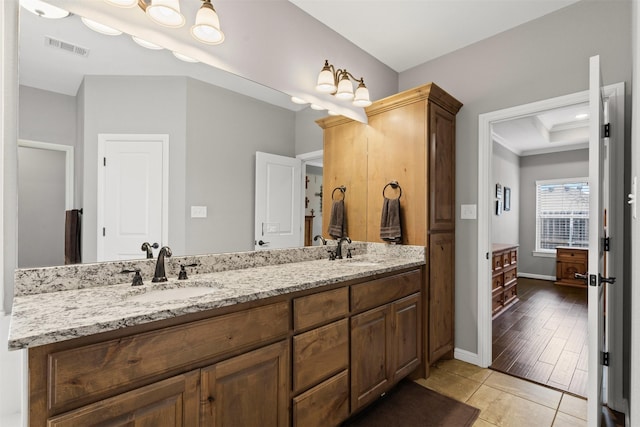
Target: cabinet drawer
(497, 281)
(513, 256)
(497, 261)
(510, 293)
(103, 369)
(510, 275)
(320, 308)
(319, 353)
(572, 254)
(497, 299)
(381, 291)
(325, 405)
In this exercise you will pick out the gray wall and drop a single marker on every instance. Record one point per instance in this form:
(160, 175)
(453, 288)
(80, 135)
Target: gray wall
(541, 59)
(46, 116)
(142, 105)
(566, 164)
(224, 131)
(308, 133)
(505, 169)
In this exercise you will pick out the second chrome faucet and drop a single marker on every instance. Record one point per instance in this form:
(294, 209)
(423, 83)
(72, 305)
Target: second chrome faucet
(160, 275)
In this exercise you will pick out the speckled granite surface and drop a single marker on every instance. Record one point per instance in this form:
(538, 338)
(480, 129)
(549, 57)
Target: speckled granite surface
(59, 303)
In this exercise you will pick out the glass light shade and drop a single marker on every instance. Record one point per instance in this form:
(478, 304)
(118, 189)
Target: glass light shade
(207, 26)
(184, 58)
(123, 3)
(345, 88)
(333, 113)
(146, 44)
(44, 10)
(166, 12)
(100, 28)
(361, 98)
(326, 82)
(316, 107)
(297, 100)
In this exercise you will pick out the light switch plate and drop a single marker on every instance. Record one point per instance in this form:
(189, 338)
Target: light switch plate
(198, 211)
(468, 211)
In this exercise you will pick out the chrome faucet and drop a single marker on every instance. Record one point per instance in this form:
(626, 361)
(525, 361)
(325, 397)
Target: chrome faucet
(324, 242)
(339, 248)
(146, 246)
(160, 275)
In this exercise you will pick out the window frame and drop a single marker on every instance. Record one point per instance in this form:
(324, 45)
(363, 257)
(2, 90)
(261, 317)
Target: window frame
(542, 252)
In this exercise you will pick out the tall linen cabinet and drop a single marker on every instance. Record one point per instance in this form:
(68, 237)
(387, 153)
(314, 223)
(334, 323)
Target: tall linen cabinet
(410, 139)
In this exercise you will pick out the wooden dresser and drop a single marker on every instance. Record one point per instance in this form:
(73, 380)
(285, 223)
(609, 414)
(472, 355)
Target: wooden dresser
(570, 261)
(504, 276)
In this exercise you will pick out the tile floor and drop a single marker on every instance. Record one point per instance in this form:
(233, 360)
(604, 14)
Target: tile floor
(504, 400)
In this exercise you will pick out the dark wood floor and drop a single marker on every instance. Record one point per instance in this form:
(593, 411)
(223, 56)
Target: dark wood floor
(543, 337)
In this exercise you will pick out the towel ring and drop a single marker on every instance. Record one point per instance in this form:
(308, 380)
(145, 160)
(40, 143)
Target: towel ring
(393, 184)
(342, 189)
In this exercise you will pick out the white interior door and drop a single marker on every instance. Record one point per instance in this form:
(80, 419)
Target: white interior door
(598, 200)
(132, 206)
(278, 216)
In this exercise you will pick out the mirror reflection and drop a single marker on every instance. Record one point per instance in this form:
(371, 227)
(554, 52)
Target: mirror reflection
(192, 132)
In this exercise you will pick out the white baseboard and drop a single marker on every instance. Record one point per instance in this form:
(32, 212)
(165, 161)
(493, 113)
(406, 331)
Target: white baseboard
(537, 276)
(466, 356)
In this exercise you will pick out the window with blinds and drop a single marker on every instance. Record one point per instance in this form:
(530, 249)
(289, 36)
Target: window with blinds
(562, 214)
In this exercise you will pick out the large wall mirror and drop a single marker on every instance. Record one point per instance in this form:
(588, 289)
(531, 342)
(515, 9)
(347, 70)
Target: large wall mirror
(76, 84)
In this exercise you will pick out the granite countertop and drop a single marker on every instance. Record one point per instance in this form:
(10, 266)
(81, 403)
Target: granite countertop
(53, 316)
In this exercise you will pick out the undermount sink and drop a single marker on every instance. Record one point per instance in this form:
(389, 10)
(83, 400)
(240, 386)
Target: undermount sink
(171, 291)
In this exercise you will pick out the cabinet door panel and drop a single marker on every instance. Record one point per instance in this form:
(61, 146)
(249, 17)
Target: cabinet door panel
(346, 145)
(248, 390)
(169, 403)
(407, 342)
(442, 169)
(370, 355)
(441, 295)
(325, 405)
(320, 353)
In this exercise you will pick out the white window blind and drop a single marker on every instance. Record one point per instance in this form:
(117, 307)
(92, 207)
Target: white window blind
(562, 214)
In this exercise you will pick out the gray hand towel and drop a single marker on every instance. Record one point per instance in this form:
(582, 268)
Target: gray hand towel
(390, 228)
(336, 221)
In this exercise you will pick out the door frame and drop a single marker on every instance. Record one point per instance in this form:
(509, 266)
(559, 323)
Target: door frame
(103, 138)
(68, 165)
(615, 93)
(312, 158)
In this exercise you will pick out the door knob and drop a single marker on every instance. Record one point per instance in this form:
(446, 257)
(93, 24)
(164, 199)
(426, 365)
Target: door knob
(581, 276)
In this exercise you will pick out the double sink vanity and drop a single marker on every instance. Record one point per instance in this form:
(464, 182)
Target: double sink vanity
(268, 338)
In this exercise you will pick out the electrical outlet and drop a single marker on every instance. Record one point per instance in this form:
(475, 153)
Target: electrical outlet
(198, 211)
(468, 211)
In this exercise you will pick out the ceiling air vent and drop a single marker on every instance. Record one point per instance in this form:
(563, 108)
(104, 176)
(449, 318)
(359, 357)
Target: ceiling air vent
(71, 48)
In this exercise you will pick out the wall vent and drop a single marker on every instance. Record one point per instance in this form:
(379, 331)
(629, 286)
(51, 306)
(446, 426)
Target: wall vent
(59, 44)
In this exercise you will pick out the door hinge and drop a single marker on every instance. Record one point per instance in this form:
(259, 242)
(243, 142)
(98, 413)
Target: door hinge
(104, 231)
(605, 358)
(606, 244)
(104, 161)
(606, 130)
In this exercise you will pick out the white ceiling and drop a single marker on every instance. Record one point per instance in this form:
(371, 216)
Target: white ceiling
(384, 29)
(406, 33)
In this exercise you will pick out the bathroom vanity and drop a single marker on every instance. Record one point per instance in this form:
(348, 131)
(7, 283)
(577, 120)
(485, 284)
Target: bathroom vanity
(282, 337)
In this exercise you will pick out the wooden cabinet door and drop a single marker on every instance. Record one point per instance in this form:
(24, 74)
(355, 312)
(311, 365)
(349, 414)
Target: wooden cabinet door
(442, 169)
(248, 390)
(370, 353)
(441, 295)
(345, 164)
(406, 339)
(169, 403)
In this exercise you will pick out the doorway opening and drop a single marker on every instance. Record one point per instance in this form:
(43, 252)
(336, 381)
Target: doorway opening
(487, 209)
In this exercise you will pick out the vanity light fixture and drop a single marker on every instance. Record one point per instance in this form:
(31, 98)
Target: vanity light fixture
(100, 28)
(183, 57)
(298, 101)
(44, 10)
(338, 83)
(144, 43)
(206, 28)
(317, 107)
